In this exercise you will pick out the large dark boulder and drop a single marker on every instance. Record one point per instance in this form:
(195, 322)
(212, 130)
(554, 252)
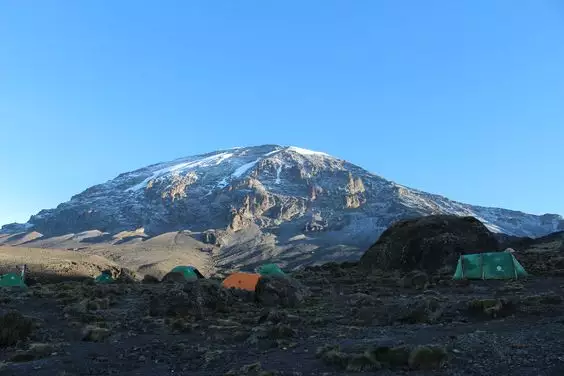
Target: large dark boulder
(174, 277)
(198, 299)
(280, 291)
(428, 243)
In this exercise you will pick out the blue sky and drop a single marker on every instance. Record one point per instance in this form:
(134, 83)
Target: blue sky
(460, 98)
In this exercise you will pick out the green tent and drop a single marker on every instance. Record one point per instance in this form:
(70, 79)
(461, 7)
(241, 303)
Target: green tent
(182, 272)
(271, 270)
(11, 280)
(105, 277)
(493, 265)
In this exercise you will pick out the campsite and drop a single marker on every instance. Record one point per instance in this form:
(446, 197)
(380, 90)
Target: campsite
(489, 313)
(289, 188)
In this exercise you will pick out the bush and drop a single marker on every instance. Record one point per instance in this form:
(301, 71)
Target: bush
(493, 308)
(14, 327)
(95, 334)
(427, 357)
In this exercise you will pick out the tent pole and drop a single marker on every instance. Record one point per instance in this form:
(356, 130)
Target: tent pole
(514, 268)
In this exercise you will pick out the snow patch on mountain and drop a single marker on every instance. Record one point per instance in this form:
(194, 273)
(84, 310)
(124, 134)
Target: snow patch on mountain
(244, 168)
(199, 163)
(278, 171)
(222, 184)
(495, 219)
(303, 151)
(272, 152)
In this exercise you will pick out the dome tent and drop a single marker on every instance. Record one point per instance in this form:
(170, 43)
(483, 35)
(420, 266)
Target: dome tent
(249, 281)
(11, 280)
(104, 278)
(183, 273)
(271, 270)
(243, 281)
(493, 265)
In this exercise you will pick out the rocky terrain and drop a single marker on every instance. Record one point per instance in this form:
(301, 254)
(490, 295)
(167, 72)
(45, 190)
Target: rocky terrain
(336, 319)
(237, 208)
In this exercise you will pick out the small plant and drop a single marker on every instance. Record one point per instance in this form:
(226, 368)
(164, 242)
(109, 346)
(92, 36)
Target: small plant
(362, 363)
(352, 362)
(14, 327)
(493, 308)
(389, 356)
(336, 358)
(427, 357)
(254, 369)
(95, 334)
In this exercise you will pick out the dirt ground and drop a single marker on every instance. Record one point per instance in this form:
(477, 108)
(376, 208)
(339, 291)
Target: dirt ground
(350, 324)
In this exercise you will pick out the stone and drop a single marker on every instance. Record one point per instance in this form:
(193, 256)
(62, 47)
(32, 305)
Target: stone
(149, 279)
(282, 291)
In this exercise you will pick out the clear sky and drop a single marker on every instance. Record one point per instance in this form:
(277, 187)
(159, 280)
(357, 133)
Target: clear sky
(460, 98)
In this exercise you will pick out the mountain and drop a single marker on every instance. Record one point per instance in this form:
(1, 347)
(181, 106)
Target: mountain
(254, 203)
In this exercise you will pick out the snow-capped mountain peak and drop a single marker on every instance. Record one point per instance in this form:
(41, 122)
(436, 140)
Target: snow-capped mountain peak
(285, 191)
(237, 163)
(213, 160)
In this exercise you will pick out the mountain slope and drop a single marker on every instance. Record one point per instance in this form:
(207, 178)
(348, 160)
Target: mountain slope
(257, 202)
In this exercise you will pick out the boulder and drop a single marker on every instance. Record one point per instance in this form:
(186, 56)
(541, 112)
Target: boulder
(120, 275)
(428, 243)
(150, 279)
(174, 277)
(280, 291)
(125, 275)
(197, 299)
(210, 237)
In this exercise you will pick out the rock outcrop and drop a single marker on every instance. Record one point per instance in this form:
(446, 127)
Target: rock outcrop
(428, 243)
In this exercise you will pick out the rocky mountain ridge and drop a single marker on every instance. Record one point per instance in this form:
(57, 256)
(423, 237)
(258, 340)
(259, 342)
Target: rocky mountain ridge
(266, 200)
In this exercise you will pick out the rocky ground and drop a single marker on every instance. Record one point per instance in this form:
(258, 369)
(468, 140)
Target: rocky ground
(337, 321)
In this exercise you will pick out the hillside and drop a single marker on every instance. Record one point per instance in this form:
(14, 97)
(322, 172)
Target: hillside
(53, 264)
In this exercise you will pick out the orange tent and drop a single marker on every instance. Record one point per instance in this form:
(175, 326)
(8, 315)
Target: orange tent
(244, 281)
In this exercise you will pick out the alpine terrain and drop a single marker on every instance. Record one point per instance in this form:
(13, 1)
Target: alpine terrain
(397, 310)
(238, 207)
